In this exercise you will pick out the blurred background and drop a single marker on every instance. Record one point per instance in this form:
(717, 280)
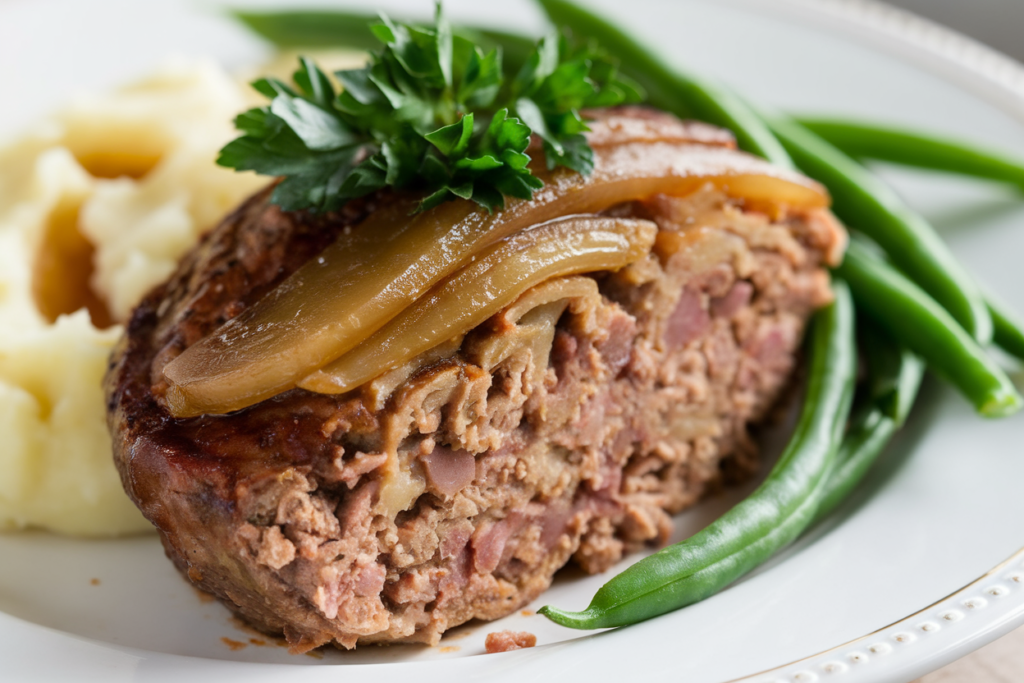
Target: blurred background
(997, 23)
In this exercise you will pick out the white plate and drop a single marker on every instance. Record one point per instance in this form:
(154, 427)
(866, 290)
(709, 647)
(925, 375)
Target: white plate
(905, 577)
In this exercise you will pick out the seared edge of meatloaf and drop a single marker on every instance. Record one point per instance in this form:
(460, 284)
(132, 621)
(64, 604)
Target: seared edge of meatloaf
(455, 487)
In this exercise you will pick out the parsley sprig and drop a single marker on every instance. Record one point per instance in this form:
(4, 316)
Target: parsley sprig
(431, 112)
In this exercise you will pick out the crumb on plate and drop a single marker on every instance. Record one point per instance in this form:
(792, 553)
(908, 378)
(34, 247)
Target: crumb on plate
(506, 641)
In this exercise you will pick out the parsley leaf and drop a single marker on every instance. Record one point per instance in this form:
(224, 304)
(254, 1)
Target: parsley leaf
(429, 112)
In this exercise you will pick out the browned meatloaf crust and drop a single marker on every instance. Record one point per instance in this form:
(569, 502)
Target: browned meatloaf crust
(294, 513)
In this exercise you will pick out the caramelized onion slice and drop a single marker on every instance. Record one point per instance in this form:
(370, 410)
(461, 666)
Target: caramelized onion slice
(530, 323)
(481, 289)
(566, 289)
(367, 277)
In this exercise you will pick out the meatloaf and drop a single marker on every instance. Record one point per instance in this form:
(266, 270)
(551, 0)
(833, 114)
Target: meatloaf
(568, 427)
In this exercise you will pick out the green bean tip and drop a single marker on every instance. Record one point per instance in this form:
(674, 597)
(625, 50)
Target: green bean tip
(1002, 404)
(580, 620)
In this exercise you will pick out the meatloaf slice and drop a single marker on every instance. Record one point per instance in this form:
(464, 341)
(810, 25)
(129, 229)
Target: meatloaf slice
(569, 426)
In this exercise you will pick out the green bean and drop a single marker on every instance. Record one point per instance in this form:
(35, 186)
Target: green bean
(342, 28)
(867, 204)
(668, 87)
(868, 436)
(894, 373)
(916, 321)
(1009, 328)
(884, 143)
(894, 377)
(771, 517)
(313, 29)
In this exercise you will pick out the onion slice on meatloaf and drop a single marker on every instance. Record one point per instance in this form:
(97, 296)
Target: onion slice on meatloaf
(454, 487)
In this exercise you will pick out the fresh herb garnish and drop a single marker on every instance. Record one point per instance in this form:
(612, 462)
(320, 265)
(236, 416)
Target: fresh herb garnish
(431, 112)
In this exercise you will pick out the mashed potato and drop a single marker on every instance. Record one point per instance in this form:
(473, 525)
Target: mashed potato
(96, 207)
